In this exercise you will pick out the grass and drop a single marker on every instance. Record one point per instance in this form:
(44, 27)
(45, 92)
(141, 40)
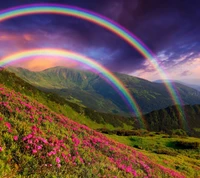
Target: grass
(37, 142)
(58, 104)
(161, 148)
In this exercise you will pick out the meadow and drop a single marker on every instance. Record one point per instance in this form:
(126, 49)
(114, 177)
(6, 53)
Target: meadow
(38, 142)
(177, 152)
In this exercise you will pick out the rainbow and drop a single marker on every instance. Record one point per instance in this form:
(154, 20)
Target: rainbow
(105, 23)
(103, 72)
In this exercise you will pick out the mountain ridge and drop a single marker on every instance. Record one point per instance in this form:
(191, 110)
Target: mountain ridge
(165, 120)
(37, 141)
(93, 92)
(196, 87)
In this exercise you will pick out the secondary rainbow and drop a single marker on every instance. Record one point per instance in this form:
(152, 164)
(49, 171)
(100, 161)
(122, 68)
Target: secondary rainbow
(103, 72)
(103, 22)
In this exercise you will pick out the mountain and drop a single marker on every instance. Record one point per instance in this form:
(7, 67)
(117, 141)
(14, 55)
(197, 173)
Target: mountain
(38, 142)
(194, 86)
(197, 87)
(89, 90)
(60, 105)
(168, 119)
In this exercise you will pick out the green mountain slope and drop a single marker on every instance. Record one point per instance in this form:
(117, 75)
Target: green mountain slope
(195, 86)
(92, 91)
(165, 120)
(37, 141)
(58, 104)
(168, 119)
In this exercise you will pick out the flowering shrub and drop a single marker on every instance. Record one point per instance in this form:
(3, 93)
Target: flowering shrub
(38, 142)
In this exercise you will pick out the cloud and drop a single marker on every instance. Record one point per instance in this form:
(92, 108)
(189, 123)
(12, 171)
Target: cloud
(28, 37)
(41, 63)
(185, 73)
(170, 30)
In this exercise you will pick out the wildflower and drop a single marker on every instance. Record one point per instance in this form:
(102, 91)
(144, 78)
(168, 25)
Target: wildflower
(34, 151)
(57, 159)
(27, 147)
(58, 165)
(30, 141)
(128, 169)
(39, 147)
(15, 137)
(1, 149)
(8, 125)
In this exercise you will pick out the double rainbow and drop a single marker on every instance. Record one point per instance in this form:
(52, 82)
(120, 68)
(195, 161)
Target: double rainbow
(102, 71)
(103, 22)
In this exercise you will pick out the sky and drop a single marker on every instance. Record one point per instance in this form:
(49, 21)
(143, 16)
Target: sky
(169, 28)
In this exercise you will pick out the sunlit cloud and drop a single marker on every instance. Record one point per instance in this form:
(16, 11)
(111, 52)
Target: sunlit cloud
(185, 68)
(41, 63)
(28, 37)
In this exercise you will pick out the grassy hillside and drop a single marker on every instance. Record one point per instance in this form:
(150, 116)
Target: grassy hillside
(93, 92)
(37, 142)
(58, 104)
(166, 120)
(69, 84)
(176, 152)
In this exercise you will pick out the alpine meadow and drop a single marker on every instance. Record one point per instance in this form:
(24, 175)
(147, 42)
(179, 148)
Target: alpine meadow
(100, 89)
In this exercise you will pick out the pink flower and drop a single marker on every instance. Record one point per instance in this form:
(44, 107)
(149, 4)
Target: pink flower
(51, 153)
(39, 147)
(34, 128)
(57, 159)
(58, 165)
(15, 137)
(34, 151)
(30, 141)
(27, 146)
(1, 118)
(1, 149)
(44, 140)
(8, 125)
(129, 169)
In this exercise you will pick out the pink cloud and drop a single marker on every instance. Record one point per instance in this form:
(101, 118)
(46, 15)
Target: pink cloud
(41, 63)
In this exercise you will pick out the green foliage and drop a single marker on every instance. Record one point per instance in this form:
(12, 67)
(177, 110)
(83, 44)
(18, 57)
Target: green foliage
(165, 151)
(15, 160)
(95, 93)
(38, 142)
(179, 132)
(58, 104)
(186, 145)
(162, 148)
(169, 121)
(165, 120)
